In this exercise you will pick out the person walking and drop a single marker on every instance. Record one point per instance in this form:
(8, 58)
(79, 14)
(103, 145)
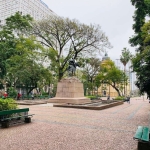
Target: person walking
(32, 96)
(18, 96)
(108, 97)
(128, 99)
(5, 95)
(148, 98)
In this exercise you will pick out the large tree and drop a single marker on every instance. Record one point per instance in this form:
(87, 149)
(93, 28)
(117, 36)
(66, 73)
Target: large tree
(111, 75)
(142, 10)
(9, 36)
(141, 62)
(24, 68)
(69, 39)
(22, 57)
(91, 68)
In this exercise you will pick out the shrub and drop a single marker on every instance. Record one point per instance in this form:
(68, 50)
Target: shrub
(92, 97)
(119, 98)
(7, 104)
(12, 92)
(45, 94)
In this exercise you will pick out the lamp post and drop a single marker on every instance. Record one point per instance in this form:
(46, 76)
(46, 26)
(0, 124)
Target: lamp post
(109, 89)
(5, 86)
(49, 90)
(87, 91)
(23, 92)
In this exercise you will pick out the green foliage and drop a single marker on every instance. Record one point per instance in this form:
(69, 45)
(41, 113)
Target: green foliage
(142, 10)
(18, 22)
(111, 75)
(126, 56)
(89, 73)
(119, 98)
(9, 35)
(45, 94)
(92, 97)
(7, 104)
(69, 37)
(12, 92)
(22, 61)
(141, 62)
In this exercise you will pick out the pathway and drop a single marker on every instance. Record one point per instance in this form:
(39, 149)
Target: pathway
(55, 128)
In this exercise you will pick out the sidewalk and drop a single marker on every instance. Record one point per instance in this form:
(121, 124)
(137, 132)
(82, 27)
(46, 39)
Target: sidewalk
(55, 128)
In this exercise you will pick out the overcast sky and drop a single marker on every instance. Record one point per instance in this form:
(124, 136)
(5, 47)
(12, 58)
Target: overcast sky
(114, 17)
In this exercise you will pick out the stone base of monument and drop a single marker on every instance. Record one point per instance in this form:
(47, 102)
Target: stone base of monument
(70, 91)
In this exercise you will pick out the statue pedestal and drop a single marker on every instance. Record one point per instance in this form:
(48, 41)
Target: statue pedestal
(70, 90)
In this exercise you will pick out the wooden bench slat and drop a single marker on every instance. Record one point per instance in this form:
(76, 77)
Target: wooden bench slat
(8, 112)
(138, 133)
(145, 135)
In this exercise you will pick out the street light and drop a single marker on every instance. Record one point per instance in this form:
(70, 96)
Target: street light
(87, 91)
(5, 86)
(49, 90)
(23, 92)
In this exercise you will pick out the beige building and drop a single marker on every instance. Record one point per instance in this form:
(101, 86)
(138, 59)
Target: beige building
(106, 89)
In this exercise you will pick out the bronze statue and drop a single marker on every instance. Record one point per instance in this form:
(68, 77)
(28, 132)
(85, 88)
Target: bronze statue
(72, 67)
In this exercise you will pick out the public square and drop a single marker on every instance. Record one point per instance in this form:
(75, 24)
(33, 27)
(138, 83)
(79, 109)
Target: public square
(55, 128)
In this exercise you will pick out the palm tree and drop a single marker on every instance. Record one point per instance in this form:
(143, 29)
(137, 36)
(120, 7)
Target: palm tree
(124, 58)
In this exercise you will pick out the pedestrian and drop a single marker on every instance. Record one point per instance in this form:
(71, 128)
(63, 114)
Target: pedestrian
(5, 95)
(128, 99)
(148, 98)
(32, 96)
(18, 96)
(108, 97)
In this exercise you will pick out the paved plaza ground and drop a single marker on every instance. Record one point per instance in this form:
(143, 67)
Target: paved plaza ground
(55, 128)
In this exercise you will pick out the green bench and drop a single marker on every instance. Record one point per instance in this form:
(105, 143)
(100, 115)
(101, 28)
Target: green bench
(13, 116)
(142, 136)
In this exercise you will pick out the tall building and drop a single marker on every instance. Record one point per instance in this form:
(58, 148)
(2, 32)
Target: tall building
(36, 8)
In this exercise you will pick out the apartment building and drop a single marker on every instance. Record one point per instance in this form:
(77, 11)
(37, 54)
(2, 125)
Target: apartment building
(36, 8)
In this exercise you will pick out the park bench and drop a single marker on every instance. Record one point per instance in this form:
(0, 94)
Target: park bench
(142, 136)
(13, 116)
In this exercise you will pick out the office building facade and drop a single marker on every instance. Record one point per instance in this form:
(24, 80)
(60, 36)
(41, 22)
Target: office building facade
(36, 8)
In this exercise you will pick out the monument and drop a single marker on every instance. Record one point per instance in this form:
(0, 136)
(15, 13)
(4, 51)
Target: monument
(70, 89)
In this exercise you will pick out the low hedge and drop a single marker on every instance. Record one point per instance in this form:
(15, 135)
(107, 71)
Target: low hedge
(92, 97)
(119, 98)
(7, 104)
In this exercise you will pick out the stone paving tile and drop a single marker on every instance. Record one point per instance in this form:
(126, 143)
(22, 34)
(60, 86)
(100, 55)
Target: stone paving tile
(54, 128)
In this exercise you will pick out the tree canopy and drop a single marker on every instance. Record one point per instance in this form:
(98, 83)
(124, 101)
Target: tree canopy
(141, 62)
(140, 40)
(111, 75)
(34, 53)
(69, 39)
(20, 54)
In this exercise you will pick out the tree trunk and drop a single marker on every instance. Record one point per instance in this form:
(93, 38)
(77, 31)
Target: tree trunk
(117, 91)
(60, 74)
(119, 94)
